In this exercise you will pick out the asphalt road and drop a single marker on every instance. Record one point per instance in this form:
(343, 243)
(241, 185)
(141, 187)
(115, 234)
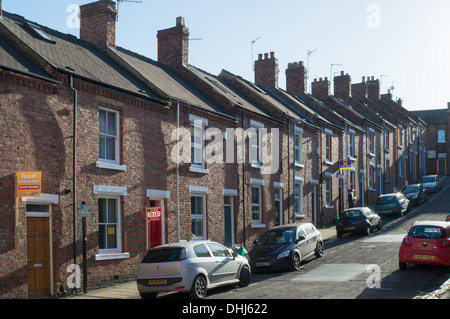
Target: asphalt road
(355, 266)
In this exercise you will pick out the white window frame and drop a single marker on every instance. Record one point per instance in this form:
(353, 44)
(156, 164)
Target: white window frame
(116, 138)
(257, 223)
(386, 140)
(198, 123)
(118, 249)
(400, 136)
(387, 170)
(328, 191)
(328, 146)
(400, 166)
(371, 141)
(256, 149)
(298, 198)
(201, 216)
(351, 143)
(372, 177)
(298, 147)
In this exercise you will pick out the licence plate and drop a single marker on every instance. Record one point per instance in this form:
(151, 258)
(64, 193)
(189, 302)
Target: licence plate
(263, 264)
(387, 211)
(349, 228)
(156, 282)
(424, 257)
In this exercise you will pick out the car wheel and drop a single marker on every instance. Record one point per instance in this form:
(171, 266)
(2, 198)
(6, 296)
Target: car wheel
(199, 288)
(367, 230)
(339, 234)
(245, 277)
(402, 265)
(319, 249)
(148, 295)
(296, 260)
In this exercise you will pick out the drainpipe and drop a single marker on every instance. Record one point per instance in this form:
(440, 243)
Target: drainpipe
(74, 154)
(178, 170)
(243, 180)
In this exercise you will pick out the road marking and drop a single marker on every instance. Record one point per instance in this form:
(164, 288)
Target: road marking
(333, 273)
(396, 238)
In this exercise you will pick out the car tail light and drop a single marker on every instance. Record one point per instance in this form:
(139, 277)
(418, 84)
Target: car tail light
(406, 241)
(183, 254)
(446, 243)
(359, 221)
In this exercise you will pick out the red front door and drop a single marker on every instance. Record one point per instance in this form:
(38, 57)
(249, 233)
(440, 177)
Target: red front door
(155, 227)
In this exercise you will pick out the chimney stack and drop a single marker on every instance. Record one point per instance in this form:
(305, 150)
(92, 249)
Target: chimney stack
(173, 44)
(266, 71)
(320, 88)
(296, 78)
(359, 90)
(342, 86)
(373, 88)
(98, 23)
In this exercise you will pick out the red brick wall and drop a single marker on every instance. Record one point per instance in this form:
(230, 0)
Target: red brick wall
(98, 23)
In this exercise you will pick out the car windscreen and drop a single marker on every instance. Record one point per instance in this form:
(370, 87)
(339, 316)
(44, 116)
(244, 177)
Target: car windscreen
(278, 236)
(410, 189)
(428, 179)
(431, 232)
(161, 255)
(387, 200)
(352, 214)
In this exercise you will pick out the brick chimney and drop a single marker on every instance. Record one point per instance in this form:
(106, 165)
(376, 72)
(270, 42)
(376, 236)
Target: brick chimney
(359, 90)
(373, 88)
(98, 23)
(320, 88)
(173, 44)
(267, 71)
(296, 78)
(342, 86)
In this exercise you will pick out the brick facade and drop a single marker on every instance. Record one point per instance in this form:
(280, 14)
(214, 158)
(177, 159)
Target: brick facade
(141, 112)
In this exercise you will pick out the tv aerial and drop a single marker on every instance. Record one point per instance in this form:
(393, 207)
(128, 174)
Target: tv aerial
(125, 1)
(253, 61)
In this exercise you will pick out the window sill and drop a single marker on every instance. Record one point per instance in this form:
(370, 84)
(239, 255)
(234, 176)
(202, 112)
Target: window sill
(198, 170)
(329, 206)
(299, 165)
(113, 166)
(328, 162)
(258, 225)
(111, 256)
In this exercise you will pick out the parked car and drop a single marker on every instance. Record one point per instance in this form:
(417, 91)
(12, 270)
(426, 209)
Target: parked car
(358, 219)
(415, 193)
(431, 183)
(190, 266)
(284, 247)
(448, 217)
(395, 203)
(427, 242)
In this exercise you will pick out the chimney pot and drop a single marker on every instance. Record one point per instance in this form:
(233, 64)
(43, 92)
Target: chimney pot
(266, 56)
(260, 56)
(272, 55)
(180, 22)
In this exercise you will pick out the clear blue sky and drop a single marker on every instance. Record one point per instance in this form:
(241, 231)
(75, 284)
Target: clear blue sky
(404, 43)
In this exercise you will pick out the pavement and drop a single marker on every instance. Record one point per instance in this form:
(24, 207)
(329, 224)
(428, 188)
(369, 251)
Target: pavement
(129, 290)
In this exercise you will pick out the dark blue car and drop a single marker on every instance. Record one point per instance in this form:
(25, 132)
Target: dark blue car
(284, 247)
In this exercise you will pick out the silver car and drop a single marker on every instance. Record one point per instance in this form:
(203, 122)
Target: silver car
(190, 266)
(431, 183)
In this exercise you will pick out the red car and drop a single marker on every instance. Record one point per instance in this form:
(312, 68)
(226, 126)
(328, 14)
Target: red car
(448, 218)
(427, 242)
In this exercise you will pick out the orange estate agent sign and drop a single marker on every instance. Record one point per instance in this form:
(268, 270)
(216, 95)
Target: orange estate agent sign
(28, 184)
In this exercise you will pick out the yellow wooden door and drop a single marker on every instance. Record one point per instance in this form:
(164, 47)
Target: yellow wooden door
(38, 239)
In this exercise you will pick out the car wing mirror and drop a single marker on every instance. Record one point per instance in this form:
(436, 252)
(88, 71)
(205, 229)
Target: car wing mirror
(299, 239)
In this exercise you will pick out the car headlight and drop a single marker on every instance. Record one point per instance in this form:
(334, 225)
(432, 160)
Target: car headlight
(284, 254)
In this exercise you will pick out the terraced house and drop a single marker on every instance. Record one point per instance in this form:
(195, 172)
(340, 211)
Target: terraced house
(115, 135)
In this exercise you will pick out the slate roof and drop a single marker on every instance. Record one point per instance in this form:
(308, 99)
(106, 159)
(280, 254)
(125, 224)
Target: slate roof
(68, 51)
(12, 58)
(436, 116)
(167, 81)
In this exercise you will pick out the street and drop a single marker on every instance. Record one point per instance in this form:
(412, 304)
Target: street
(355, 266)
